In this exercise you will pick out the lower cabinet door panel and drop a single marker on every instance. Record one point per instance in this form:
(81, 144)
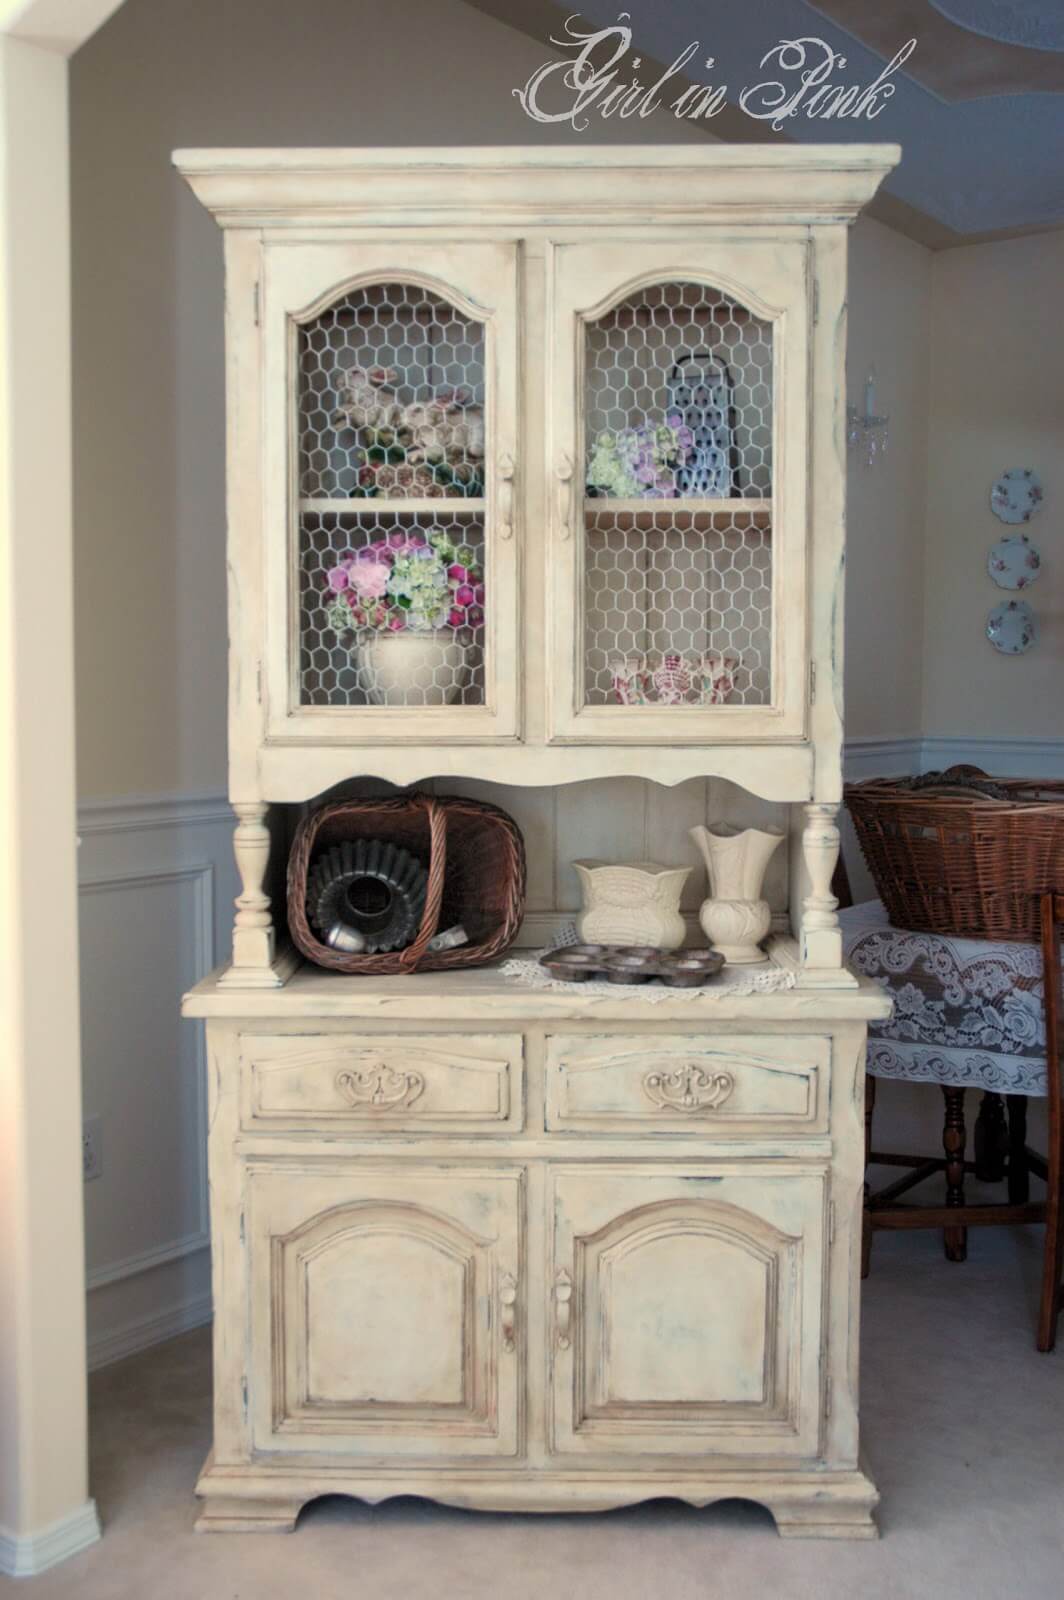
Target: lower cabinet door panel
(687, 1309)
(384, 1310)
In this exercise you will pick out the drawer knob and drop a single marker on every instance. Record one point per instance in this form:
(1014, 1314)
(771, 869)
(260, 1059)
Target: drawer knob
(379, 1087)
(563, 1308)
(688, 1088)
(507, 1303)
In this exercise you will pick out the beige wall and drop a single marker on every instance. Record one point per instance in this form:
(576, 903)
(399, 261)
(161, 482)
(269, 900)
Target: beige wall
(997, 401)
(889, 299)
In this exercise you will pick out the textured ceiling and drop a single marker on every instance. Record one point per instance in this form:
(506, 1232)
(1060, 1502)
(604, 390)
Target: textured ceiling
(987, 162)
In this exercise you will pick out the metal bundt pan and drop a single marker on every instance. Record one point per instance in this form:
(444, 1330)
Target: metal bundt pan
(366, 895)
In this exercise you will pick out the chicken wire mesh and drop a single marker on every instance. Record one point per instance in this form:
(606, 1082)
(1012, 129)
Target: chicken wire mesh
(391, 609)
(679, 397)
(678, 608)
(391, 398)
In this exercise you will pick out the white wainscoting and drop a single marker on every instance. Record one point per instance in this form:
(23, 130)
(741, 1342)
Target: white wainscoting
(157, 887)
(157, 883)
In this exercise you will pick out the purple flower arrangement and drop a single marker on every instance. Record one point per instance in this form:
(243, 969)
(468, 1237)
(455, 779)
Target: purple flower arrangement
(640, 462)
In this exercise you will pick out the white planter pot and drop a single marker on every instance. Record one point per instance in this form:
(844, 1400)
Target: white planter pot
(413, 669)
(637, 903)
(735, 918)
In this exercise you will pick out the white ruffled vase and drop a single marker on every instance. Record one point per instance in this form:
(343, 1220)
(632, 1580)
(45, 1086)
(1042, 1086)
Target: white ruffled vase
(735, 918)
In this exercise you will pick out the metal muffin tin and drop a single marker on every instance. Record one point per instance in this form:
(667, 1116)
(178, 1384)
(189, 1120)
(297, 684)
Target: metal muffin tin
(629, 964)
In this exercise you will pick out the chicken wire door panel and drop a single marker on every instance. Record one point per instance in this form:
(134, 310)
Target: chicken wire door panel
(391, 460)
(678, 448)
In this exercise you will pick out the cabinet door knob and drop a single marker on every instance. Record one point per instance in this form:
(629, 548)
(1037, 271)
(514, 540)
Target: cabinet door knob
(563, 1308)
(507, 1303)
(565, 494)
(506, 496)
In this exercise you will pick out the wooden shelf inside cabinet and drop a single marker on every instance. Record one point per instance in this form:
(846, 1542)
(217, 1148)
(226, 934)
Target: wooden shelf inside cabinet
(641, 515)
(357, 506)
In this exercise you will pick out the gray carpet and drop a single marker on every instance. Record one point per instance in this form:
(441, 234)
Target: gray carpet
(962, 1427)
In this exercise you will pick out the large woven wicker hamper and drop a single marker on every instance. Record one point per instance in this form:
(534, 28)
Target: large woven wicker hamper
(958, 853)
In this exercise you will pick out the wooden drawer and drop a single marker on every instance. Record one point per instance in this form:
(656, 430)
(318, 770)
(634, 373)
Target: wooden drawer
(677, 1083)
(396, 1083)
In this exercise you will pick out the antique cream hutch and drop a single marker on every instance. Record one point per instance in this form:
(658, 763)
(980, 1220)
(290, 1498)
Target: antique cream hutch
(498, 1271)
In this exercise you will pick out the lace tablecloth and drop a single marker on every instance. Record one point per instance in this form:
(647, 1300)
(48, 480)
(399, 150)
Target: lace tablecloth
(967, 1013)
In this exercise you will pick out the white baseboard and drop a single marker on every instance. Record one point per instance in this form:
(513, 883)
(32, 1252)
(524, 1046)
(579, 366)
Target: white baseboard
(115, 1344)
(24, 1555)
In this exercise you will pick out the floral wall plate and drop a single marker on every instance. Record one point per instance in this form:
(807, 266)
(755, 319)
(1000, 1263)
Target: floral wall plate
(1013, 562)
(1016, 495)
(1010, 627)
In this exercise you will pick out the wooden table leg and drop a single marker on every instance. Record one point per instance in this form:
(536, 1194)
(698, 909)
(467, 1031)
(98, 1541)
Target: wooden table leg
(953, 1142)
(1019, 1173)
(866, 1226)
(991, 1139)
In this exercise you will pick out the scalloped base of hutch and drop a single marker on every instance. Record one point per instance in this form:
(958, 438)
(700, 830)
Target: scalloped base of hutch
(805, 1505)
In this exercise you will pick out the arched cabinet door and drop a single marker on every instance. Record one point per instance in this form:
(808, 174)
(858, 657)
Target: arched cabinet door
(678, 396)
(385, 1312)
(390, 514)
(687, 1311)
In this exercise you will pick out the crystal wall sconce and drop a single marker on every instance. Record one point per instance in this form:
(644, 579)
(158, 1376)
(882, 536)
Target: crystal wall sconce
(865, 430)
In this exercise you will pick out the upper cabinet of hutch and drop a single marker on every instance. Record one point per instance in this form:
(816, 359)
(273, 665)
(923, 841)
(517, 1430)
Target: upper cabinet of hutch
(678, 398)
(536, 462)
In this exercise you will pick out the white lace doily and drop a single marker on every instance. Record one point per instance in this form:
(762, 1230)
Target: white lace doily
(968, 1013)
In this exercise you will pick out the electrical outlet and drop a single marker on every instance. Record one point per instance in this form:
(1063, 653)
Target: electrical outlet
(91, 1149)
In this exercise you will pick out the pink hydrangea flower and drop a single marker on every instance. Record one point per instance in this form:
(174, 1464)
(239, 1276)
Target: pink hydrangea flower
(475, 616)
(456, 617)
(338, 579)
(478, 593)
(370, 578)
(464, 595)
(457, 573)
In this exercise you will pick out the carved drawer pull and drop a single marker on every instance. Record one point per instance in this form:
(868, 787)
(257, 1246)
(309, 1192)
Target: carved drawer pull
(689, 1088)
(565, 496)
(379, 1087)
(507, 1302)
(506, 496)
(563, 1308)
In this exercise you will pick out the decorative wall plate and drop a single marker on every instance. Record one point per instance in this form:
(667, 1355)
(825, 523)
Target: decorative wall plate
(1013, 562)
(1016, 495)
(1010, 627)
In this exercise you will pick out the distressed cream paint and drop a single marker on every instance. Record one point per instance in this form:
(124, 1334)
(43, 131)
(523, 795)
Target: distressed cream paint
(587, 1251)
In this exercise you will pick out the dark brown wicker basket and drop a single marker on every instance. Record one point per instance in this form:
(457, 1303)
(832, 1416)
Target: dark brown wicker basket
(476, 861)
(949, 859)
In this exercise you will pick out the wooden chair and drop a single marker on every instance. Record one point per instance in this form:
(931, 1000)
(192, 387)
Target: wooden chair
(1053, 1266)
(1000, 1152)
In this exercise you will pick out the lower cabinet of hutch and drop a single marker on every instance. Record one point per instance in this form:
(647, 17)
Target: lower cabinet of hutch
(540, 1268)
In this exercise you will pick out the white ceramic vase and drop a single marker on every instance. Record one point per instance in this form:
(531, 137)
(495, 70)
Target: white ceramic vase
(632, 903)
(735, 918)
(410, 668)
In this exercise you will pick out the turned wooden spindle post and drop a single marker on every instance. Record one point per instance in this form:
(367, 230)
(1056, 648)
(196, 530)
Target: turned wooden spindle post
(821, 934)
(253, 933)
